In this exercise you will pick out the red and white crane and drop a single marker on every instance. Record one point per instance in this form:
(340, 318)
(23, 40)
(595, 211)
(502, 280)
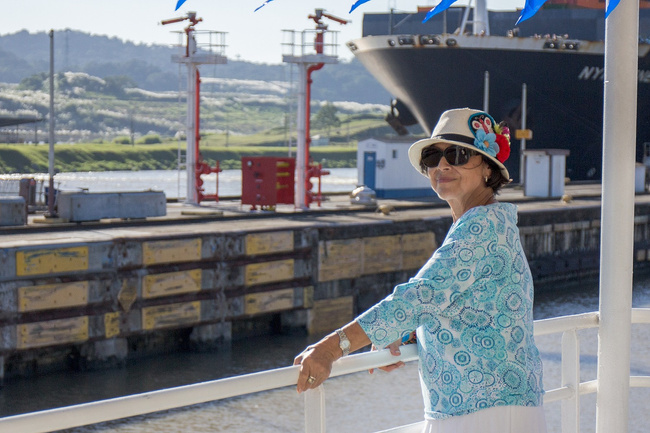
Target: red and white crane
(310, 59)
(192, 57)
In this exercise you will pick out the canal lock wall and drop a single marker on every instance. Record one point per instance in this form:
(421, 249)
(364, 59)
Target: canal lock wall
(95, 301)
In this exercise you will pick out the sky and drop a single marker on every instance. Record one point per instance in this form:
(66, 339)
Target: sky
(252, 36)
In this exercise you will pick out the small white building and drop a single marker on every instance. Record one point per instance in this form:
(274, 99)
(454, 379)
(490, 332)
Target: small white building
(383, 165)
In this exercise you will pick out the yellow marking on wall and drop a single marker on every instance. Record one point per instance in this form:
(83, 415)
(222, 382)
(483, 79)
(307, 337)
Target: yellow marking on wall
(170, 251)
(268, 272)
(171, 283)
(112, 324)
(52, 296)
(381, 254)
(171, 315)
(268, 243)
(339, 259)
(52, 332)
(277, 300)
(330, 314)
(417, 248)
(53, 260)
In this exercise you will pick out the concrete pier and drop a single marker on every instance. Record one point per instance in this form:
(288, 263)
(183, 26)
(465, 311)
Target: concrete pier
(84, 206)
(103, 292)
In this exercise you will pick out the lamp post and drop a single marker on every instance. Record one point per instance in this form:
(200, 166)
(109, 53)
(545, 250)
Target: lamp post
(50, 192)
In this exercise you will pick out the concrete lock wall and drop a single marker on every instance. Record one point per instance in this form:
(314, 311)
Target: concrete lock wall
(101, 301)
(77, 296)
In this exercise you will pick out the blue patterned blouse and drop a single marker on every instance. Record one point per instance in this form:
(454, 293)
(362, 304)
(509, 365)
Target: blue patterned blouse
(472, 307)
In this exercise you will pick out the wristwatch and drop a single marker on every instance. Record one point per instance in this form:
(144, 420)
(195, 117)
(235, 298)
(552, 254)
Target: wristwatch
(344, 343)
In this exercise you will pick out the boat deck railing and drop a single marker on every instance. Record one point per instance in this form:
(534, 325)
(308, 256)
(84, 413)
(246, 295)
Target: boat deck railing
(97, 412)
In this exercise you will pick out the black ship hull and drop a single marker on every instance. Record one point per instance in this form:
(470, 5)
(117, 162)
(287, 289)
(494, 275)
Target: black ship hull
(563, 77)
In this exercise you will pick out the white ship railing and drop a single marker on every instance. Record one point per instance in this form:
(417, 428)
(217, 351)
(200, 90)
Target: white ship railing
(568, 393)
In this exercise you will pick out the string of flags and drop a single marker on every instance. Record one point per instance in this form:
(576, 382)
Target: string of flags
(530, 8)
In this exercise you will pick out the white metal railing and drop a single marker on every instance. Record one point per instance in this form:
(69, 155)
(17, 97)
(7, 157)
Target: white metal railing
(123, 407)
(207, 41)
(304, 43)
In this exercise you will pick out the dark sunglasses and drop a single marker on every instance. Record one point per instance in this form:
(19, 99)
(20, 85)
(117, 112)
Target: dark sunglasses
(455, 155)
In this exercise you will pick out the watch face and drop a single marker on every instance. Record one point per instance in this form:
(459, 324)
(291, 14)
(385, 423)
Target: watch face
(344, 343)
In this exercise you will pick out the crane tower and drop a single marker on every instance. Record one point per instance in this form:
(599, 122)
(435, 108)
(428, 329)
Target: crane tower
(195, 54)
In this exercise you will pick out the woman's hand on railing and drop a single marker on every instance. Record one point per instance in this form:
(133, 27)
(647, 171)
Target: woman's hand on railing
(315, 365)
(394, 350)
(316, 361)
(410, 338)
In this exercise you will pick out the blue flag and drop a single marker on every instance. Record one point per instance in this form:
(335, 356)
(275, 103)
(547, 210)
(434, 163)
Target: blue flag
(179, 4)
(262, 5)
(444, 4)
(530, 8)
(610, 7)
(357, 4)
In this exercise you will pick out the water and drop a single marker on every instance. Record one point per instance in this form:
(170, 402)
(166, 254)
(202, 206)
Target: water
(171, 182)
(356, 403)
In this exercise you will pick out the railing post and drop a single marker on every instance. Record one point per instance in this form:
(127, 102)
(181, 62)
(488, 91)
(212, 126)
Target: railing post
(571, 379)
(617, 222)
(315, 410)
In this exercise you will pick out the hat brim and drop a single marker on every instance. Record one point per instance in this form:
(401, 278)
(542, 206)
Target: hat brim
(415, 153)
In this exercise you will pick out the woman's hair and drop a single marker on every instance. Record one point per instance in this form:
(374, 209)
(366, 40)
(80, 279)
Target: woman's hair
(496, 181)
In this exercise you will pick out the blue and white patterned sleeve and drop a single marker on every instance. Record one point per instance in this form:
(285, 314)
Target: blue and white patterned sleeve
(466, 265)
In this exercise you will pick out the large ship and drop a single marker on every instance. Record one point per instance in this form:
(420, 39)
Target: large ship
(473, 57)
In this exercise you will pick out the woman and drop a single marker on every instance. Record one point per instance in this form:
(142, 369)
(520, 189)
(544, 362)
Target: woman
(470, 305)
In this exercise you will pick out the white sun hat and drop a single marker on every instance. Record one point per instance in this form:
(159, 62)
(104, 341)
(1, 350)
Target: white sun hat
(473, 129)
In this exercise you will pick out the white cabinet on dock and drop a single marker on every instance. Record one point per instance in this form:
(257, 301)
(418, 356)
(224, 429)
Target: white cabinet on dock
(383, 165)
(544, 172)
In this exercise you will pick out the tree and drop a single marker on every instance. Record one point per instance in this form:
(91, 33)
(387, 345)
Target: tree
(116, 84)
(34, 82)
(327, 118)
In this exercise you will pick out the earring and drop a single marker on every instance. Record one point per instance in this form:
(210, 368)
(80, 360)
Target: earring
(486, 179)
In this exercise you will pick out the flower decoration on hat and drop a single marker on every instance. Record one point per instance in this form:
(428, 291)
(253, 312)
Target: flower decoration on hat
(503, 139)
(490, 138)
(487, 142)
